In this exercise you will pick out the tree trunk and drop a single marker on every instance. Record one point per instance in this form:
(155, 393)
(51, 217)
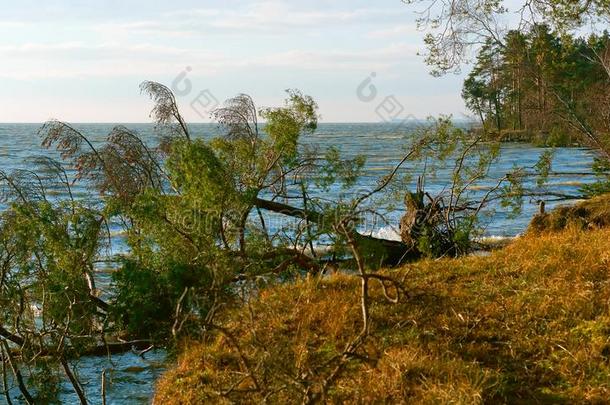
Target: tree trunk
(386, 252)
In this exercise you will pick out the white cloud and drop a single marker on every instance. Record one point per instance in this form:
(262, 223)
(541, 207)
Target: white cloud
(75, 59)
(132, 47)
(12, 24)
(257, 17)
(380, 58)
(402, 31)
(80, 50)
(273, 15)
(260, 46)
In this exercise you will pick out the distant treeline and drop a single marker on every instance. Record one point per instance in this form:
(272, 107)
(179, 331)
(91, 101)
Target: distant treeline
(532, 83)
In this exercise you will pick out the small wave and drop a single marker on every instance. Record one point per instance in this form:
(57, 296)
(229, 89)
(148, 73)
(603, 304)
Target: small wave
(570, 183)
(118, 233)
(386, 232)
(391, 233)
(480, 188)
(496, 238)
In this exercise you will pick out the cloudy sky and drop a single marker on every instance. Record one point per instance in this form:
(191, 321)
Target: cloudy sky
(82, 61)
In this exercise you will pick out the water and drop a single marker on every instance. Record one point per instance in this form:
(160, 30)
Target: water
(382, 144)
(131, 378)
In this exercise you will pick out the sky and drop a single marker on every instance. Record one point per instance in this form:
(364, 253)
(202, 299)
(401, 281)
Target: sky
(83, 61)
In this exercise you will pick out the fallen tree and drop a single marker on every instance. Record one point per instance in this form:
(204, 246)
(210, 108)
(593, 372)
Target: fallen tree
(388, 252)
(192, 215)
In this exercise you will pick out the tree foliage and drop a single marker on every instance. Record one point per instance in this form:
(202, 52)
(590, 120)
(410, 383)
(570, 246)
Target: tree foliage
(524, 48)
(209, 222)
(542, 82)
(455, 28)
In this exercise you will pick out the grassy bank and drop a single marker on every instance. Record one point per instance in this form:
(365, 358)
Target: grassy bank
(530, 322)
(589, 214)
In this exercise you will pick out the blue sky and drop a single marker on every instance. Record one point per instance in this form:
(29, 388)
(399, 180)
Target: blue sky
(82, 61)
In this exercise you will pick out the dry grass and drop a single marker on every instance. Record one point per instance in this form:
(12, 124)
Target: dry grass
(529, 323)
(593, 213)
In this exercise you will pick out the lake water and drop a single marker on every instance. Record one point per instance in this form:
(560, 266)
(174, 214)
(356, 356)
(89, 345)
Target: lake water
(130, 377)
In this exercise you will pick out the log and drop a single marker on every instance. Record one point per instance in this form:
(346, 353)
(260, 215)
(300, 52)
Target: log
(18, 340)
(386, 252)
(100, 349)
(116, 348)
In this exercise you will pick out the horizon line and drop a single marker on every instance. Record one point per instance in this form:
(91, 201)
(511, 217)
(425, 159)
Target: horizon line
(204, 122)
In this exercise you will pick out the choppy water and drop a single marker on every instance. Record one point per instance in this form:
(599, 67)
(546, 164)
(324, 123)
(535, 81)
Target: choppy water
(130, 377)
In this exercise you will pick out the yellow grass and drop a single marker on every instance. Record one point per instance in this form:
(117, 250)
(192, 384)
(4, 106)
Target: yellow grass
(593, 213)
(528, 323)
